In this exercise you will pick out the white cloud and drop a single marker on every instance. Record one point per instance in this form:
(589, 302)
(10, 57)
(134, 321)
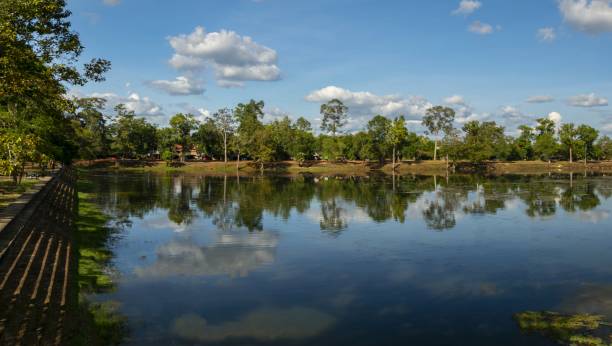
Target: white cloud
(546, 34)
(480, 28)
(111, 2)
(587, 100)
(511, 116)
(540, 99)
(235, 59)
(467, 7)
(607, 127)
(555, 117)
(455, 100)
(141, 105)
(591, 16)
(367, 103)
(182, 85)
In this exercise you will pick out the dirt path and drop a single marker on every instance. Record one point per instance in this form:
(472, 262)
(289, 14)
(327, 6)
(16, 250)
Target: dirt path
(37, 267)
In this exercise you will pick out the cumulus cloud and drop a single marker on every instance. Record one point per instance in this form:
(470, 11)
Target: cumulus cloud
(182, 85)
(587, 100)
(546, 34)
(540, 99)
(455, 100)
(467, 7)
(264, 324)
(234, 59)
(111, 2)
(591, 16)
(140, 105)
(367, 103)
(480, 28)
(555, 117)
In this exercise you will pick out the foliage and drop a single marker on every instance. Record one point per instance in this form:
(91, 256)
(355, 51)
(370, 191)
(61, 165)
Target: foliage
(334, 114)
(438, 119)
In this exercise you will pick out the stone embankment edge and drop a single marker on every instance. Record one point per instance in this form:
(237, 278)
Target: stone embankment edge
(11, 212)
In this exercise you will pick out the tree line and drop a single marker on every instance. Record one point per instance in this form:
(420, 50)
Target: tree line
(240, 133)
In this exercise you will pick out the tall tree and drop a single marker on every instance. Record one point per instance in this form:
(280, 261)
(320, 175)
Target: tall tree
(545, 146)
(334, 115)
(588, 135)
(183, 125)
(378, 132)
(438, 119)
(398, 134)
(39, 54)
(568, 135)
(226, 123)
(248, 117)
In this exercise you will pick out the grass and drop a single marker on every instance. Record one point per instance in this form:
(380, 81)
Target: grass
(99, 323)
(580, 329)
(9, 192)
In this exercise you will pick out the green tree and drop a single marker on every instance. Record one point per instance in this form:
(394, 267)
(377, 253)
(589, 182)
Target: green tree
(226, 124)
(302, 146)
(524, 143)
(604, 148)
(568, 136)
(484, 141)
(183, 125)
(248, 118)
(38, 60)
(545, 146)
(398, 134)
(378, 133)
(588, 136)
(438, 119)
(208, 139)
(334, 114)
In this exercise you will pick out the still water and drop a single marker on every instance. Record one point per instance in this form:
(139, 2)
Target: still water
(354, 260)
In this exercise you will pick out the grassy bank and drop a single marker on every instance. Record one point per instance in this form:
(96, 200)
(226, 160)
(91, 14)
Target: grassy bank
(9, 192)
(353, 167)
(99, 323)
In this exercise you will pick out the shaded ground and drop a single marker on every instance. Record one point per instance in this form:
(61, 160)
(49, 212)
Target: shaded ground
(37, 265)
(10, 192)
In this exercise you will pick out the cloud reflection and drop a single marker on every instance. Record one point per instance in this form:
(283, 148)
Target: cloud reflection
(264, 324)
(233, 254)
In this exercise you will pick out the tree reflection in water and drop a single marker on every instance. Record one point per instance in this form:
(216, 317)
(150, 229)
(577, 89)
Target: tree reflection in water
(243, 201)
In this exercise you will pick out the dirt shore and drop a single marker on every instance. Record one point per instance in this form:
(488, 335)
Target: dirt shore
(351, 167)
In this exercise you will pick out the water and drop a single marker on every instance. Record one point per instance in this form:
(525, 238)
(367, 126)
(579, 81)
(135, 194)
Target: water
(360, 261)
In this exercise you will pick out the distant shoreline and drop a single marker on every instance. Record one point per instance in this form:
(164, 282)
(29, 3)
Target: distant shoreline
(350, 167)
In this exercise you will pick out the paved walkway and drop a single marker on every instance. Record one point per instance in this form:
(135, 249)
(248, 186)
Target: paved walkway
(37, 265)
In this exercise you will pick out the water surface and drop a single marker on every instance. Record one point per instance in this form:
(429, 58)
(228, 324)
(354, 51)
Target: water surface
(354, 260)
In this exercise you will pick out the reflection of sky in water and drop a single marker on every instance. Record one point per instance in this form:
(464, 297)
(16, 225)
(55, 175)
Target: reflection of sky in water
(330, 266)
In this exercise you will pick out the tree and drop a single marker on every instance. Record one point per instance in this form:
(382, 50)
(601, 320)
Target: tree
(208, 139)
(226, 124)
(302, 145)
(248, 118)
(183, 125)
(378, 133)
(16, 149)
(398, 134)
(438, 119)
(524, 143)
(484, 141)
(568, 135)
(588, 136)
(334, 115)
(91, 128)
(38, 61)
(604, 148)
(545, 146)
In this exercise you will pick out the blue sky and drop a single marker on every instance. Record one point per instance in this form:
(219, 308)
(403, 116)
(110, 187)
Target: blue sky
(484, 58)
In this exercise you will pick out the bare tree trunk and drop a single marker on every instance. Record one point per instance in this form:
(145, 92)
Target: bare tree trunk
(394, 159)
(225, 147)
(238, 162)
(435, 149)
(570, 156)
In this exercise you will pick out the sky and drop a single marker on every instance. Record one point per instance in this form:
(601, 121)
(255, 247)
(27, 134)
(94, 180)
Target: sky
(507, 61)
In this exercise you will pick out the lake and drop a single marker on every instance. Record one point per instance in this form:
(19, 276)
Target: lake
(376, 260)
